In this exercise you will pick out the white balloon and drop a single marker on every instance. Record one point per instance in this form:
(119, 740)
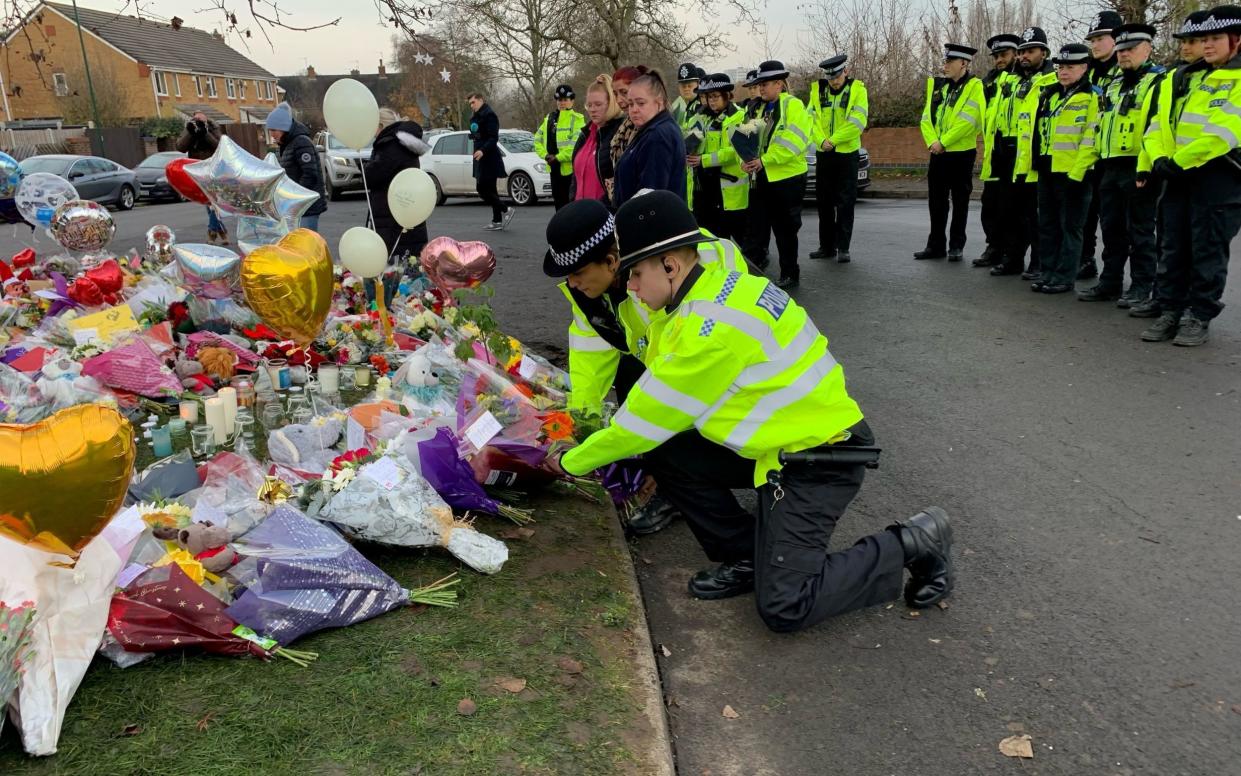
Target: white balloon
(39, 194)
(363, 252)
(411, 197)
(351, 113)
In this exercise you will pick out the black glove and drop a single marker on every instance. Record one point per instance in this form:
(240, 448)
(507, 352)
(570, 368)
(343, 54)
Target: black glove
(1144, 177)
(1167, 169)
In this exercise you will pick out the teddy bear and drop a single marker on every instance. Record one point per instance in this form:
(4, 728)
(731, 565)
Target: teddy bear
(62, 383)
(208, 543)
(419, 378)
(220, 363)
(306, 447)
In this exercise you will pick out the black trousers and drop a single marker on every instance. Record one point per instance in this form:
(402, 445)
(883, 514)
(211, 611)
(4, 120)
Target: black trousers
(996, 209)
(949, 178)
(779, 213)
(486, 186)
(561, 186)
(1127, 214)
(1021, 229)
(756, 232)
(798, 581)
(709, 207)
(1090, 229)
(1193, 263)
(835, 194)
(1062, 205)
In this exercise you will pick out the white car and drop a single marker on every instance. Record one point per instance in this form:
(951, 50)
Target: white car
(450, 163)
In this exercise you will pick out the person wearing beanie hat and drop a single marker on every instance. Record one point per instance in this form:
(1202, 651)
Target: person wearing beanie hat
(741, 391)
(1193, 144)
(554, 139)
(1061, 147)
(839, 110)
(1126, 210)
(952, 119)
(998, 150)
(780, 170)
(299, 158)
(608, 327)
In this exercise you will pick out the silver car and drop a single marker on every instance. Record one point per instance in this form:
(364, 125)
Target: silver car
(94, 177)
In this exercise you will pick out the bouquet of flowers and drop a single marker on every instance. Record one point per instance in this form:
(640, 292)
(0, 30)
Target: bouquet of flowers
(352, 339)
(746, 138)
(15, 649)
(693, 141)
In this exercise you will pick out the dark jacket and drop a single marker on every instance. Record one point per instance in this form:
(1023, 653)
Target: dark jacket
(397, 147)
(485, 132)
(654, 160)
(603, 159)
(201, 142)
(300, 160)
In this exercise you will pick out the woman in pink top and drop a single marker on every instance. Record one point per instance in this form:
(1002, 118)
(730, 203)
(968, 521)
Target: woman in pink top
(592, 162)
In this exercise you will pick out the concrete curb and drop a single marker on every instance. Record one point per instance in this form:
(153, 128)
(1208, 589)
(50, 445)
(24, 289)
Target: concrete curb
(660, 755)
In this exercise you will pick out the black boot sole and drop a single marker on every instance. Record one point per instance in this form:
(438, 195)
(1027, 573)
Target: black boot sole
(718, 595)
(940, 517)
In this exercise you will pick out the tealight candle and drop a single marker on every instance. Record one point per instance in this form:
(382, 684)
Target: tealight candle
(189, 411)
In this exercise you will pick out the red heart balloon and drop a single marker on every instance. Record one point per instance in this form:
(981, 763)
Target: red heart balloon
(25, 258)
(85, 292)
(107, 276)
(180, 180)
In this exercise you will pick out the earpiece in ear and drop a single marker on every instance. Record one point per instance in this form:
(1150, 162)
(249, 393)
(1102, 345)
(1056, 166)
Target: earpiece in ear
(668, 267)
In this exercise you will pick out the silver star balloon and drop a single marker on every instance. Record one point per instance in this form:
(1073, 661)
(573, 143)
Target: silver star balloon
(255, 232)
(237, 182)
(292, 200)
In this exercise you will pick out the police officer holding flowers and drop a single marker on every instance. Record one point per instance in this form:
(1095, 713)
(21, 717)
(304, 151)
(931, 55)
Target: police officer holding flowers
(741, 391)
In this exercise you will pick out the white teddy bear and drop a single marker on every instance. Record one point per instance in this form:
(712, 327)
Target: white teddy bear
(63, 385)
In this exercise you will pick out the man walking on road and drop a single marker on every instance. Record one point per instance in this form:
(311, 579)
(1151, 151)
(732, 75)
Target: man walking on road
(951, 122)
(838, 111)
(488, 161)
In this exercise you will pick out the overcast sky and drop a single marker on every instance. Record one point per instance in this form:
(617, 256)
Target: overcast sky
(359, 40)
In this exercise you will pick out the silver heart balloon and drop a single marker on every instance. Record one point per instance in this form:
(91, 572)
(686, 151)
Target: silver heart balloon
(236, 181)
(209, 271)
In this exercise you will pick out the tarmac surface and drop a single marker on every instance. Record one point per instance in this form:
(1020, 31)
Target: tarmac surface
(1094, 481)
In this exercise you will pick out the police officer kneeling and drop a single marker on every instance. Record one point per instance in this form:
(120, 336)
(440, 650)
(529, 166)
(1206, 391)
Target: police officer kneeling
(739, 381)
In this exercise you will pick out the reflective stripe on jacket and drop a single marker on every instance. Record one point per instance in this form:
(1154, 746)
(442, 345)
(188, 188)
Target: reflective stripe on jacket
(593, 360)
(741, 362)
(953, 114)
(1165, 104)
(997, 119)
(569, 126)
(1123, 119)
(718, 153)
(784, 145)
(1067, 125)
(840, 118)
(1210, 124)
(1024, 113)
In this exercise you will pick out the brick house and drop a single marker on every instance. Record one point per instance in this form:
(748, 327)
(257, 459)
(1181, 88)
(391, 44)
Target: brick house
(156, 69)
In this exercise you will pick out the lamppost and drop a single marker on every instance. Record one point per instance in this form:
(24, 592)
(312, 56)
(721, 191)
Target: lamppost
(90, 86)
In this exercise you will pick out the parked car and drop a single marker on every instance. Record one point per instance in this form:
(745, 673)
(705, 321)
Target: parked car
(342, 166)
(450, 163)
(152, 183)
(102, 180)
(863, 172)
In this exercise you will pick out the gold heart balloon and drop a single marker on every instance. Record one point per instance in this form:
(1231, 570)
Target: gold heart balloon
(63, 478)
(289, 284)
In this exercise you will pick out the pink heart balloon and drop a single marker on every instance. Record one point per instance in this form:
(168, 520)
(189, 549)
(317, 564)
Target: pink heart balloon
(452, 265)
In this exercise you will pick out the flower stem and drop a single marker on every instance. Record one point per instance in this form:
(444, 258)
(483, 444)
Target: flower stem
(518, 516)
(296, 656)
(438, 593)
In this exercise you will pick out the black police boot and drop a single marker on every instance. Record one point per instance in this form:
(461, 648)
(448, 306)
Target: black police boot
(1087, 270)
(724, 581)
(989, 258)
(927, 540)
(1002, 270)
(1099, 293)
(930, 254)
(787, 283)
(1193, 332)
(1163, 329)
(822, 254)
(1033, 273)
(653, 516)
(843, 257)
(1147, 308)
(955, 254)
(1133, 297)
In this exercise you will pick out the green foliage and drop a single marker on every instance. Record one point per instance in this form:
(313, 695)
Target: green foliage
(481, 315)
(162, 127)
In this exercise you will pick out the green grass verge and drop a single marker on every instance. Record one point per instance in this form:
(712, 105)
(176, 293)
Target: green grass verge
(383, 696)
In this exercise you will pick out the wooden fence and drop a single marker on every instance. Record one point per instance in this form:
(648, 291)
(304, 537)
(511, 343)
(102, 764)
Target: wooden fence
(122, 145)
(248, 136)
(24, 143)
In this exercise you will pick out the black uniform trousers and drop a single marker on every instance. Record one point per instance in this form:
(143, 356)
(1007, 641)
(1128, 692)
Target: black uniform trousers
(1127, 215)
(994, 193)
(778, 213)
(835, 194)
(798, 581)
(755, 232)
(485, 185)
(949, 178)
(1193, 264)
(561, 187)
(1062, 206)
(1022, 228)
(709, 209)
(1090, 228)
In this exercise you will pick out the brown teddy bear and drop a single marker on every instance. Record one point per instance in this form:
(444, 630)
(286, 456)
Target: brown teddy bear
(220, 363)
(208, 543)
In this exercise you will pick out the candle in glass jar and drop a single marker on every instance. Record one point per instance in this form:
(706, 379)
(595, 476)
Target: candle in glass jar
(329, 379)
(229, 397)
(213, 409)
(362, 376)
(189, 411)
(161, 441)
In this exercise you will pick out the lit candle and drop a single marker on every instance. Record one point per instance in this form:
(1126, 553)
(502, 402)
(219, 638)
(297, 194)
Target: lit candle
(189, 411)
(229, 397)
(329, 379)
(214, 410)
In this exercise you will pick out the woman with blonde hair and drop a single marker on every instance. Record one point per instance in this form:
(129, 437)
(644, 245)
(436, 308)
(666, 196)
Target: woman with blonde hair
(592, 158)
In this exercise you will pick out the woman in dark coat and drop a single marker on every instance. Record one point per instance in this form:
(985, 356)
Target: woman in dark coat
(397, 146)
(488, 161)
(655, 159)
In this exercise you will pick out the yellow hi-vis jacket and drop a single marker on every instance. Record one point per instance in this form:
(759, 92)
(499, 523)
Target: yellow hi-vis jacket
(741, 362)
(1066, 123)
(953, 114)
(569, 125)
(593, 360)
(784, 145)
(717, 152)
(840, 118)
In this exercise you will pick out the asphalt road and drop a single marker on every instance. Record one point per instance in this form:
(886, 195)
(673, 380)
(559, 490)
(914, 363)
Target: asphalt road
(1095, 484)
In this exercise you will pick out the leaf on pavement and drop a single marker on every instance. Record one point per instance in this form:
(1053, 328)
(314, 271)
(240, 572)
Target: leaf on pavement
(467, 707)
(667, 652)
(512, 685)
(205, 722)
(730, 713)
(1017, 746)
